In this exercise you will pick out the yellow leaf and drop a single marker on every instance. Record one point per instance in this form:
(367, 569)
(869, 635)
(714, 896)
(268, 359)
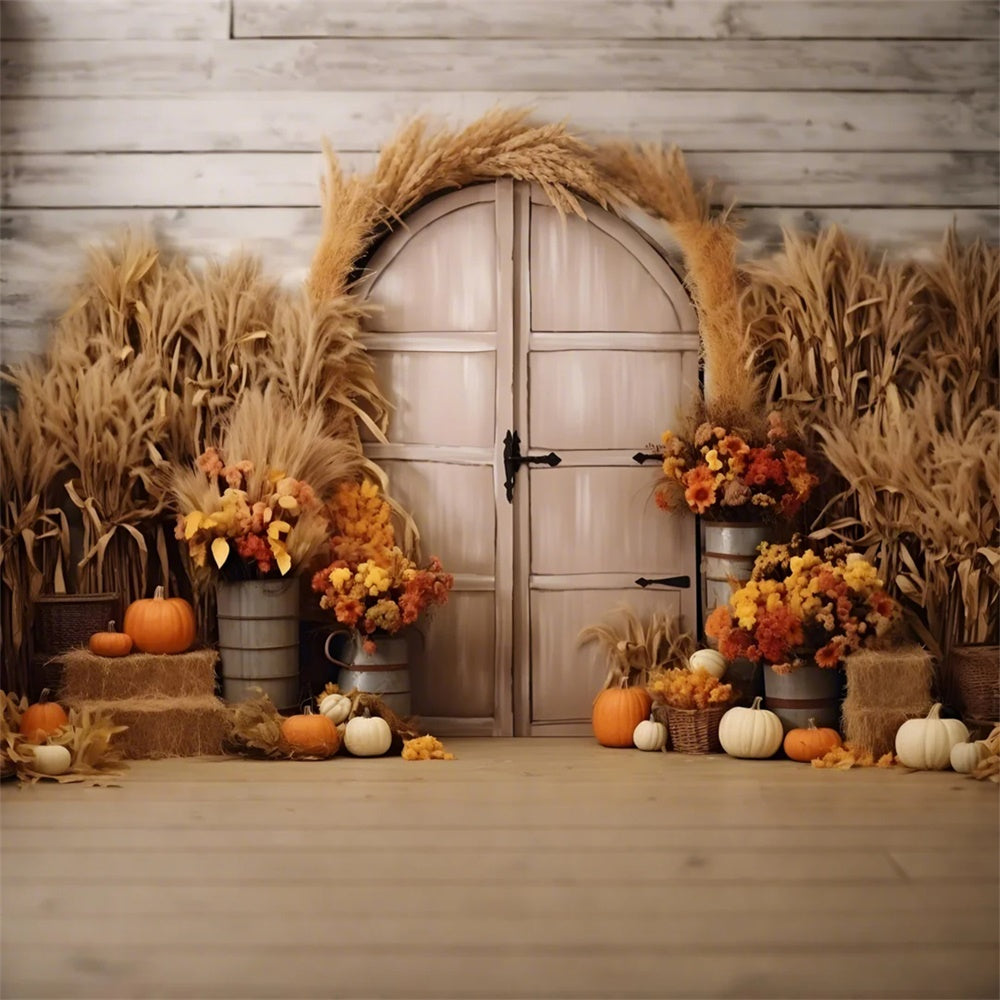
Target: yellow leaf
(220, 551)
(276, 528)
(192, 523)
(284, 560)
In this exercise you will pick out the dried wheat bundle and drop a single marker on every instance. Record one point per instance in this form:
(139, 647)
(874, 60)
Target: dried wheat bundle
(657, 180)
(419, 162)
(636, 648)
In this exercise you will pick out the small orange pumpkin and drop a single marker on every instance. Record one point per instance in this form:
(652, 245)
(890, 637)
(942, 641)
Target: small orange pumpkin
(617, 711)
(42, 719)
(110, 643)
(810, 743)
(161, 624)
(311, 734)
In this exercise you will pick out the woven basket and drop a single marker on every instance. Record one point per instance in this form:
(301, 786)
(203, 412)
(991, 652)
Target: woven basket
(66, 621)
(696, 730)
(976, 670)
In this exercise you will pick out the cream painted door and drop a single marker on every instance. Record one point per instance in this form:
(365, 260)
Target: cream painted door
(496, 316)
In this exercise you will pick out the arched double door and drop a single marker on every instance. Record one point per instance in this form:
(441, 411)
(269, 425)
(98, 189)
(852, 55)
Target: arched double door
(503, 330)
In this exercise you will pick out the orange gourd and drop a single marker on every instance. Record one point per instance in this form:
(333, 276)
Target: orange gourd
(810, 743)
(42, 719)
(110, 643)
(617, 711)
(161, 624)
(311, 734)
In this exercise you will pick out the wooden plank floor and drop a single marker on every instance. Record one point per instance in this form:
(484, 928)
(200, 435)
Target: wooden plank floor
(526, 868)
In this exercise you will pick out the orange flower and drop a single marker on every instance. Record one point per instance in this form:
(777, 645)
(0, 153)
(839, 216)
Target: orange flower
(700, 492)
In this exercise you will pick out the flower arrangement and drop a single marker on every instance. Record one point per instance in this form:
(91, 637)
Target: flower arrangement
(255, 523)
(679, 687)
(721, 475)
(799, 606)
(371, 584)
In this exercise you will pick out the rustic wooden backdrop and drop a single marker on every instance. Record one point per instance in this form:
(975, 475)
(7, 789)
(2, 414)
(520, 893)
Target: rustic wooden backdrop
(205, 116)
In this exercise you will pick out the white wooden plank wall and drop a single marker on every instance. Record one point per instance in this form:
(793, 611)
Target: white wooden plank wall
(204, 117)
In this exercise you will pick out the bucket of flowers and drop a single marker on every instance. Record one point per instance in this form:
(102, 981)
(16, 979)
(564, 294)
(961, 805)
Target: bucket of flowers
(801, 614)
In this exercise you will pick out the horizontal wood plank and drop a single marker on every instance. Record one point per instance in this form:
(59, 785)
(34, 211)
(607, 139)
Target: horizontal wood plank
(49, 20)
(615, 19)
(847, 179)
(771, 121)
(140, 67)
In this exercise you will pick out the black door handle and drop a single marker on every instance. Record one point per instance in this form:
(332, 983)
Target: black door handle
(646, 456)
(513, 460)
(666, 581)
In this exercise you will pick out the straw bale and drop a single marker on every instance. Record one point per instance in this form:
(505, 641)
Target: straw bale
(87, 677)
(888, 678)
(874, 729)
(165, 727)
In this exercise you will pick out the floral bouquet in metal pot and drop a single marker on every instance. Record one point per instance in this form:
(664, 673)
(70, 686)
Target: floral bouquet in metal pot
(799, 607)
(734, 475)
(371, 585)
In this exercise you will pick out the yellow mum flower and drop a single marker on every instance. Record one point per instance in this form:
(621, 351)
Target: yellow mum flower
(714, 462)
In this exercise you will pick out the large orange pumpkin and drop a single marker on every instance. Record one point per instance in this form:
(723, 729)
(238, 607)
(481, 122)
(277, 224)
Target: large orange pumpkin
(311, 735)
(810, 743)
(42, 719)
(110, 643)
(617, 711)
(161, 624)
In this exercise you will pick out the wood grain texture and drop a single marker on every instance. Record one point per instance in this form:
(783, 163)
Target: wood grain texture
(49, 20)
(145, 68)
(768, 121)
(524, 868)
(615, 19)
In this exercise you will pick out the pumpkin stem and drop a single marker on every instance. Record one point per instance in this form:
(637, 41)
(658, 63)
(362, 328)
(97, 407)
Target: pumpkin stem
(44, 696)
(756, 702)
(812, 724)
(935, 712)
(111, 626)
(158, 594)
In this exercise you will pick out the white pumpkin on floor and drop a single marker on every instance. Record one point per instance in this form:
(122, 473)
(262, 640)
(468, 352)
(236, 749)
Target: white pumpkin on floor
(925, 744)
(752, 732)
(367, 736)
(965, 757)
(650, 735)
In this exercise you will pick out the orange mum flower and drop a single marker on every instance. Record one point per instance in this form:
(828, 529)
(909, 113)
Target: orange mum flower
(700, 492)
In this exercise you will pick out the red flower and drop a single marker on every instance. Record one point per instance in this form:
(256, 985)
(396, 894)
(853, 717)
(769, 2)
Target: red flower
(764, 468)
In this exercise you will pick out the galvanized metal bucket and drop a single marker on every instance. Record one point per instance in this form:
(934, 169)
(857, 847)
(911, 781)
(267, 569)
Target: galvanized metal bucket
(259, 639)
(809, 692)
(728, 551)
(385, 672)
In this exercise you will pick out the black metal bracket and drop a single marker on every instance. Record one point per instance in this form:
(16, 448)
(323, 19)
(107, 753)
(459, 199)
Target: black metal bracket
(666, 581)
(513, 459)
(641, 457)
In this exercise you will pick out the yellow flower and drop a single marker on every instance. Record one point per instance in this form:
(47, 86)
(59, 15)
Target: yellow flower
(714, 462)
(340, 576)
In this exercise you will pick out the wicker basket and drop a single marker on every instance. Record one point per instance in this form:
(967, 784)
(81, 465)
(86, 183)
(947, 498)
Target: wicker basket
(976, 670)
(696, 730)
(66, 621)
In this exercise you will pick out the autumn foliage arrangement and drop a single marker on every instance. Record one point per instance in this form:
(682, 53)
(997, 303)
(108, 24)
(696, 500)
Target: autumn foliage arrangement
(371, 585)
(735, 476)
(800, 607)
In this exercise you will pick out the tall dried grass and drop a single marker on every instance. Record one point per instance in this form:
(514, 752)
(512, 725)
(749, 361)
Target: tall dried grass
(418, 162)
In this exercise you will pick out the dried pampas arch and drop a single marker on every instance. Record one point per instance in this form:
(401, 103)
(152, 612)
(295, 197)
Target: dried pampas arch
(418, 163)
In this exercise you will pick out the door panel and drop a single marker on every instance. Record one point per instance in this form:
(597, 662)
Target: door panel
(454, 511)
(603, 520)
(565, 675)
(451, 658)
(444, 278)
(584, 279)
(427, 388)
(595, 399)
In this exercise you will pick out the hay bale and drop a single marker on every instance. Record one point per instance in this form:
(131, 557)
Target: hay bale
(86, 677)
(874, 729)
(889, 678)
(165, 727)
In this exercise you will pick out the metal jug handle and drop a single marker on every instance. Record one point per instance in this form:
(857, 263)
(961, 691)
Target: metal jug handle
(337, 634)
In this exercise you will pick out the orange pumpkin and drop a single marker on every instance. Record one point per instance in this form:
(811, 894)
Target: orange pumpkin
(161, 624)
(311, 734)
(810, 743)
(110, 643)
(617, 711)
(42, 719)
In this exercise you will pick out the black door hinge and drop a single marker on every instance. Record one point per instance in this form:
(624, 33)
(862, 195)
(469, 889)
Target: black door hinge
(641, 457)
(666, 581)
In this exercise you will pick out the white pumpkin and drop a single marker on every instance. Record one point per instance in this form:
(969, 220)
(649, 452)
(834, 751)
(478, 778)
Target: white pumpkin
(50, 759)
(710, 661)
(650, 735)
(752, 732)
(367, 736)
(925, 744)
(965, 756)
(336, 707)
